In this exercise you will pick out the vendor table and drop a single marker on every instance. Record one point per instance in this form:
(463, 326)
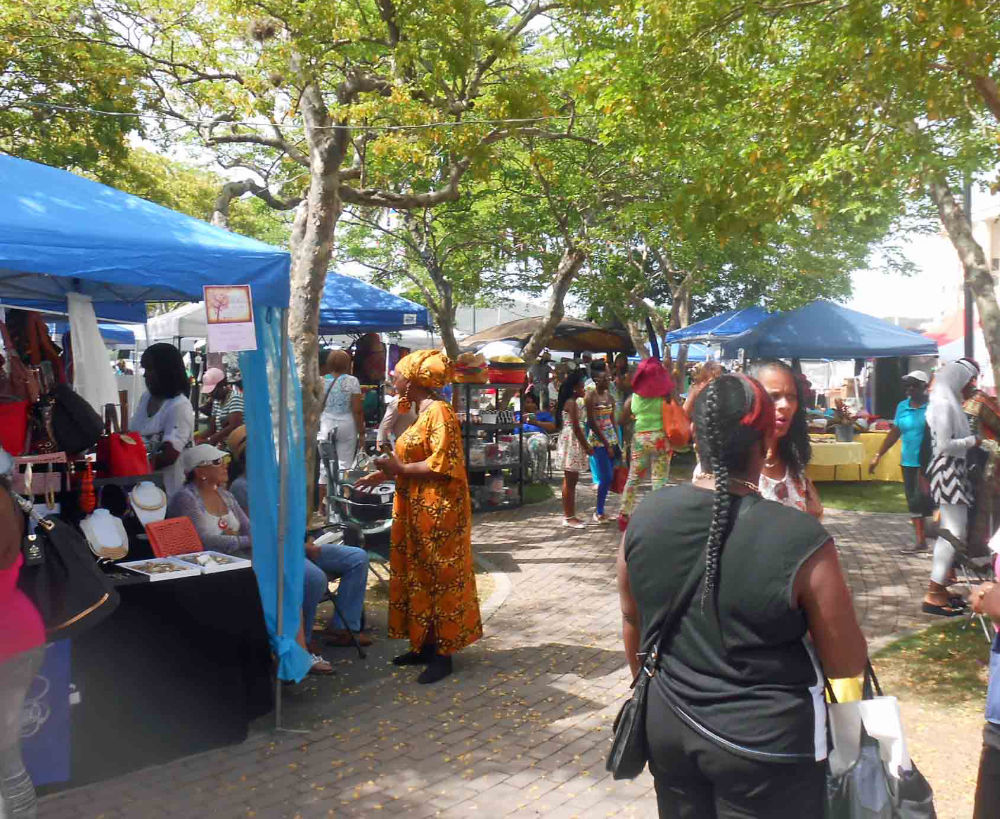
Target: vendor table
(833, 460)
(182, 666)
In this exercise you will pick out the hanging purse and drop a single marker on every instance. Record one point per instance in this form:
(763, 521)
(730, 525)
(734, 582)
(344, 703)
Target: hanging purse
(120, 454)
(23, 381)
(60, 577)
(76, 426)
(14, 414)
(676, 424)
(619, 478)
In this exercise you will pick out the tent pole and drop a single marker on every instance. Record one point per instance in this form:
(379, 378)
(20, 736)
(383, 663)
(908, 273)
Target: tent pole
(282, 494)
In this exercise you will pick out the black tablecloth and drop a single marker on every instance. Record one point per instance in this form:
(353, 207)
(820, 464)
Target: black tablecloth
(181, 667)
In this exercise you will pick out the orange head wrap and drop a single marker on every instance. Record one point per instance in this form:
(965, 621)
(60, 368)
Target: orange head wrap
(426, 368)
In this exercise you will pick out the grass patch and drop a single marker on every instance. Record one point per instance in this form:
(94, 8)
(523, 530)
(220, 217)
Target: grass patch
(863, 496)
(537, 493)
(945, 664)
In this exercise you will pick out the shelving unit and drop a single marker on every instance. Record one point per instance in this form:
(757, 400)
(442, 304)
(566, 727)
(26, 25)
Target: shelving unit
(475, 432)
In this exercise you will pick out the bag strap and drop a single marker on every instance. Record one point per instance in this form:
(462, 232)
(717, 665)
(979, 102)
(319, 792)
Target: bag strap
(329, 390)
(111, 419)
(674, 609)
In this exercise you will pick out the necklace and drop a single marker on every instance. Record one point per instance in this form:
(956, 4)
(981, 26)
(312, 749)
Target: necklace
(146, 508)
(738, 481)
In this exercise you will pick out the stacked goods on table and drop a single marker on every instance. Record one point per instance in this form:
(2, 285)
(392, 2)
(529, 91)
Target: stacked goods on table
(507, 369)
(470, 368)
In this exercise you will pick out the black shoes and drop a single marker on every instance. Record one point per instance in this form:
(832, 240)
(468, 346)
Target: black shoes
(422, 657)
(437, 669)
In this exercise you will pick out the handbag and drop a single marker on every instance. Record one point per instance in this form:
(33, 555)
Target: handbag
(869, 772)
(120, 454)
(60, 577)
(75, 424)
(628, 754)
(618, 479)
(676, 424)
(24, 382)
(14, 415)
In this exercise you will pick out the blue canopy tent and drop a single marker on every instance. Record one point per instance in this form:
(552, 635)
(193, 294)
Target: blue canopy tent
(117, 334)
(350, 305)
(717, 328)
(696, 352)
(824, 330)
(62, 233)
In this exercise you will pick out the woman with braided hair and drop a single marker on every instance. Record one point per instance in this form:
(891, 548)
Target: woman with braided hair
(736, 722)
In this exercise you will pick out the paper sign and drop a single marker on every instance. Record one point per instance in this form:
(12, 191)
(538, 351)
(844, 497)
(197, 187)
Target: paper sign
(409, 318)
(229, 313)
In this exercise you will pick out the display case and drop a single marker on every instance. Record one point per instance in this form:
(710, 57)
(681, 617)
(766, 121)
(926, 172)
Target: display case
(493, 443)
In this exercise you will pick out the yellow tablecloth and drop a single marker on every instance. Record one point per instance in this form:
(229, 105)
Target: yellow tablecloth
(832, 464)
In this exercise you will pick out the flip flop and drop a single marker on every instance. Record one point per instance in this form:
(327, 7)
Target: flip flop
(942, 611)
(574, 523)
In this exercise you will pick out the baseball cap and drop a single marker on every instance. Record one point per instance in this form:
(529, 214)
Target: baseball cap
(202, 455)
(917, 375)
(212, 378)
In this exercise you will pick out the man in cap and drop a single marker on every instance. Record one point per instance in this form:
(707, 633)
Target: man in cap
(910, 426)
(227, 406)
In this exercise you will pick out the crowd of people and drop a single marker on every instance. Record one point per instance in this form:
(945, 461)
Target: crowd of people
(735, 719)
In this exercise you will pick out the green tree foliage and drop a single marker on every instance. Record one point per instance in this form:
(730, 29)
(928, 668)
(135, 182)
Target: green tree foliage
(52, 61)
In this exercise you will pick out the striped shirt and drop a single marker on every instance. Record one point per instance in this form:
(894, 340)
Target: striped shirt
(222, 410)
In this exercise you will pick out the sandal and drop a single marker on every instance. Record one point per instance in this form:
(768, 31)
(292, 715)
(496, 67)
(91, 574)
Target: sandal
(946, 610)
(320, 667)
(600, 518)
(342, 638)
(956, 601)
(574, 523)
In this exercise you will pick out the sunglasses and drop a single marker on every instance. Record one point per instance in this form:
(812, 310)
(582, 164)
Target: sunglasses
(223, 461)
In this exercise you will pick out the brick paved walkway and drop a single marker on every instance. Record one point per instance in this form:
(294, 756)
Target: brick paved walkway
(521, 728)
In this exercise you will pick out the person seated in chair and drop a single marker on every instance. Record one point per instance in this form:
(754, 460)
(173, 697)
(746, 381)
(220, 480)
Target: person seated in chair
(348, 562)
(537, 426)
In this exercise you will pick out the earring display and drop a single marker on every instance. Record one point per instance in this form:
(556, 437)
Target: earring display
(106, 535)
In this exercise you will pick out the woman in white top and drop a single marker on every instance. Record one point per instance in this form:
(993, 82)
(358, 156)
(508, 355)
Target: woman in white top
(164, 417)
(783, 477)
(341, 422)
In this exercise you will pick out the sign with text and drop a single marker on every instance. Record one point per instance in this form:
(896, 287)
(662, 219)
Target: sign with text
(229, 312)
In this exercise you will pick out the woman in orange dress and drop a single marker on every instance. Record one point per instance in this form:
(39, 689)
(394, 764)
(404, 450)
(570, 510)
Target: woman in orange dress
(432, 591)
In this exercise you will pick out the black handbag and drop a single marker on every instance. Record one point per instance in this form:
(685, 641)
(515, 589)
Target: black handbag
(60, 577)
(628, 754)
(76, 425)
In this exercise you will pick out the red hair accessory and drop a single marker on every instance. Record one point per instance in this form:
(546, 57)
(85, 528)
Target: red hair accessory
(760, 415)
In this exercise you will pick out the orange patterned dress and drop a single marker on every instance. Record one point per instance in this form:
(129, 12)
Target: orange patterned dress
(433, 584)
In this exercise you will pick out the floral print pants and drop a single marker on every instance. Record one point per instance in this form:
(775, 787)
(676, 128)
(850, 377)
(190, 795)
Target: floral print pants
(650, 458)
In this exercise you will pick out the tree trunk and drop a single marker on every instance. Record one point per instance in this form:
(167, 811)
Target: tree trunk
(312, 248)
(977, 270)
(637, 335)
(446, 326)
(570, 263)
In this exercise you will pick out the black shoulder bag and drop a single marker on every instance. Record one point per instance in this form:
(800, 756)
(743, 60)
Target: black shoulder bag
(60, 577)
(627, 756)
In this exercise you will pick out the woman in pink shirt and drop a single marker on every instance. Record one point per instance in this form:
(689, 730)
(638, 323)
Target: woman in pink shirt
(22, 646)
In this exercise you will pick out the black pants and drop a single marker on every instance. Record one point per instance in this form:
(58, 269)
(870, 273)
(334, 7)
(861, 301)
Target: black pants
(988, 785)
(697, 779)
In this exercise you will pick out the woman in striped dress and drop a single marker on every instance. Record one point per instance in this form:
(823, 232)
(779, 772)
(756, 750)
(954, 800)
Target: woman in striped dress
(952, 438)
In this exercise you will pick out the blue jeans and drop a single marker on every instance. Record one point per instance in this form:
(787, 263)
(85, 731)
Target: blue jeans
(602, 471)
(351, 563)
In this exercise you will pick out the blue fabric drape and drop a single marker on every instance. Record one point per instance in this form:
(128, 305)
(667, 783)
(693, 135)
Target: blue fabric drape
(261, 391)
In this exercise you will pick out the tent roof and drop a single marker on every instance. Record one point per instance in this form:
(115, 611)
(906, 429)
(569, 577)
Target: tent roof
(571, 335)
(730, 323)
(60, 232)
(823, 329)
(351, 305)
(117, 334)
